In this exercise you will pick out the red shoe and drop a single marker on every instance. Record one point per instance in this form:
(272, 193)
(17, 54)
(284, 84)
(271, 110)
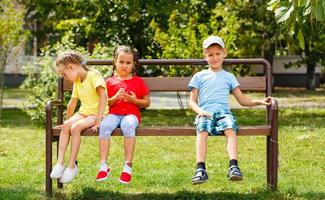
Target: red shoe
(125, 177)
(103, 174)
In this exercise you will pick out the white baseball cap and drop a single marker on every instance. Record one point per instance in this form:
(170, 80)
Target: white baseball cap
(213, 40)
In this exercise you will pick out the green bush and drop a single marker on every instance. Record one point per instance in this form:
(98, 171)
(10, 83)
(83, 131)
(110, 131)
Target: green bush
(42, 79)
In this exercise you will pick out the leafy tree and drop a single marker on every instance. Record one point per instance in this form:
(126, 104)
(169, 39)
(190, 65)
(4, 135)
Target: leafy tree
(303, 21)
(109, 22)
(247, 30)
(11, 34)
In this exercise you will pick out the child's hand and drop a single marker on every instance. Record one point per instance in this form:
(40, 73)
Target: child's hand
(120, 94)
(130, 97)
(96, 126)
(205, 113)
(266, 101)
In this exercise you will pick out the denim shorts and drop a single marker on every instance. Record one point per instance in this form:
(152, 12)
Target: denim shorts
(217, 124)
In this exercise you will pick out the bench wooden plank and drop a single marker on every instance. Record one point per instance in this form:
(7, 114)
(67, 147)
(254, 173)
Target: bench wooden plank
(165, 84)
(177, 131)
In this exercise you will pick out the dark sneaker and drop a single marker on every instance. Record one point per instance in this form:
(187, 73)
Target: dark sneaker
(201, 176)
(234, 173)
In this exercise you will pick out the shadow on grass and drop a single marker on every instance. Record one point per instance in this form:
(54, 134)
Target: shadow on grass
(91, 193)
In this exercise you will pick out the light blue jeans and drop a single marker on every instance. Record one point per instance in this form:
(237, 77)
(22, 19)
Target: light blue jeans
(127, 123)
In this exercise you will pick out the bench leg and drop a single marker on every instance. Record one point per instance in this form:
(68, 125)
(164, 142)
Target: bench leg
(272, 162)
(48, 164)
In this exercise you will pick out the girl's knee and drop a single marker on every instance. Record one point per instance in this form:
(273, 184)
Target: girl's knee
(128, 129)
(66, 127)
(76, 129)
(129, 125)
(104, 133)
(106, 129)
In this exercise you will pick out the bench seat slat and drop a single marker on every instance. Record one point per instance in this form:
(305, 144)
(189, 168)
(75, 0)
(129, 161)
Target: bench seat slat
(177, 131)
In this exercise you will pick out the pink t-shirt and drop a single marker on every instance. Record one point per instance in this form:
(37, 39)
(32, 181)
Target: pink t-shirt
(121, 107)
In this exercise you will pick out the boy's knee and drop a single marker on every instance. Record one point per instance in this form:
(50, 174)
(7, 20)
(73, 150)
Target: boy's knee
(202, 134)
(230, 132)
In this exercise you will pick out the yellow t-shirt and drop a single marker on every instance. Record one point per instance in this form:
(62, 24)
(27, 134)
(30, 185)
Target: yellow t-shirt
(86, 92)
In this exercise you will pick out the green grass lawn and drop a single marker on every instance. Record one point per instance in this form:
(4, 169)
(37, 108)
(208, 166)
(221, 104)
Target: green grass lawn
(163, 166)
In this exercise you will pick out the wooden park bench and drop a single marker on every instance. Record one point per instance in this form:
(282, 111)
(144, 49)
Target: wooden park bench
(177, 84)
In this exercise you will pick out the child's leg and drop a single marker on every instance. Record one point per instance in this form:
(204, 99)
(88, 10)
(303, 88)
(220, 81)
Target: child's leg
(76, 129)
(65, 136)
(204, 126)
(201, 176)
(232, 145)
(129, 123)
(201, 146)
(234, 172)
(108, 125)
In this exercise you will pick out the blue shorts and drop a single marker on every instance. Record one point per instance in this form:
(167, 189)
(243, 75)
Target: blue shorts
(217, 124)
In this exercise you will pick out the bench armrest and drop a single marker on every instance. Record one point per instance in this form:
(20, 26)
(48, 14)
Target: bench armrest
(51, 103)
(274, 104)
(48, 114)
(272, 112)
(272, 118)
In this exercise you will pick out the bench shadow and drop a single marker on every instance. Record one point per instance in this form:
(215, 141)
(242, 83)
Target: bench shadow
(91, 193)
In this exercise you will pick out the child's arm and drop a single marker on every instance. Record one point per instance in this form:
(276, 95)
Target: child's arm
(71, 107)
(245, 101)
(141, 103)
(101, 108)
(194, 105)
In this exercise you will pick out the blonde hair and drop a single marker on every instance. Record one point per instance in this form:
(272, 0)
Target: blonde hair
(71, 57)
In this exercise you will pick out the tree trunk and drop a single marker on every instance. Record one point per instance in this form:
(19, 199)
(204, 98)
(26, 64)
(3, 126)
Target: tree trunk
(310, 64)
(311, 77)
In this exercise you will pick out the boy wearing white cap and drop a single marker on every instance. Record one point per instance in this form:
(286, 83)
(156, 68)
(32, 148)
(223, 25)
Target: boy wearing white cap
(209, 99)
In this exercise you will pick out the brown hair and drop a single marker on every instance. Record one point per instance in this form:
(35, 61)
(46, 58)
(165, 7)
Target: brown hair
(125, 49)
(71, 57)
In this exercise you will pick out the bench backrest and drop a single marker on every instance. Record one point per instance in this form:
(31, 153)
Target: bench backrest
(260, 83)
(163, 84)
